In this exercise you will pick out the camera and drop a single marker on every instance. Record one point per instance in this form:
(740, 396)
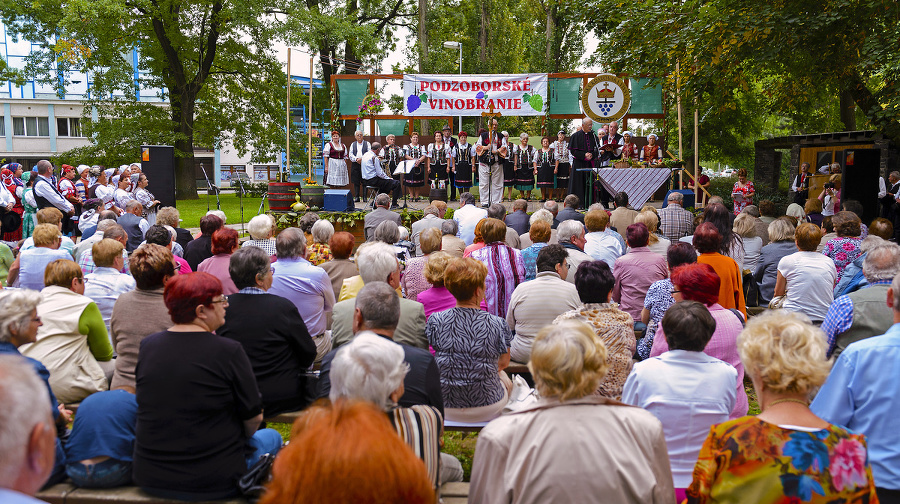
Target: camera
(829, 185)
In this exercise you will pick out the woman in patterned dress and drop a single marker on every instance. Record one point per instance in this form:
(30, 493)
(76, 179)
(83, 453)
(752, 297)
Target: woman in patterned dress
(471, 347)
(415, 179)
(594, 281)
(525, 172)
(786, 453)
(66, 186)
(439, 158)
(561, 153)
(651, 153)
(629, 148)
(11, 176)
(745, 188)
(336, 174)
(545, 167)
(463, 166)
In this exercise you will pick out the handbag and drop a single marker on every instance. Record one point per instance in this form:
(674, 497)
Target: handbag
(253, 483)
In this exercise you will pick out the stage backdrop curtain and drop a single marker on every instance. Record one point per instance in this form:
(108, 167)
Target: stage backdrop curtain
(564, 96)
(351, 93)
(645, 100)
(387, 127)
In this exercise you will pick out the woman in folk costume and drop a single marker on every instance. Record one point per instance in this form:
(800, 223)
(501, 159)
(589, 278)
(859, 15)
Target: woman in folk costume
(561, 153)
(29, 205)
(393, 155)
(11, 179)
(651, 153)
(440, 159)
(334, 154)
(524, 155)
(545, 166)
(508, 161)
(66, 186)
(463, 166)
(629, 148)
(416, 153)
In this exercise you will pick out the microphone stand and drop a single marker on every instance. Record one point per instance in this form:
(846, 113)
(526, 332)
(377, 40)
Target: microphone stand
(208, 187)
(241, 199)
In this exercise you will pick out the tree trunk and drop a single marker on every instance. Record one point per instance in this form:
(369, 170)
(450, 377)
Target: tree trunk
(548, 34)
(882, 121)
(482, 35)
(848, 110)
(183, 118)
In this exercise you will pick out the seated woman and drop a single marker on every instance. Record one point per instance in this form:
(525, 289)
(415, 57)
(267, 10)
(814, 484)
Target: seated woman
(813, 211)
(471, 347)
(540, 235)
(686, 389)
(615, 328)
(278, 344)
(549, 452)
(340, 267)
(708, 242)
(477, 241)
(261, 229)
(745, 227)
(348, 452)
(414, 281)
(844, 249)
(195, 444)
(389, 232)
(781, 243)
(786, 453)
(140, 312)
(225, 242)
(372, 368)
(807, 278)
(659, 295)
(106, 283)
(656, 243)
(27, 271)
(73, 344)
(698, 282)
(505, 268)
(319, 251)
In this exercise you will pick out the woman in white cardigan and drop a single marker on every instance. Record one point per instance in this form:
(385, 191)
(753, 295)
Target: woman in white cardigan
(72, 343)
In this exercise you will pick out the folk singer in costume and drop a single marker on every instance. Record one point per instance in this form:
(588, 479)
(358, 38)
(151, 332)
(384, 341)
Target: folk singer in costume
(509, 166)
(651, 153)
(524, 155)
(490, 175)
(440, 157)
(585, 149)
(462, 169)
(629, 148)
(392, 156)
(545, 167)
(336, 174)
(415, 179)
(561, 152)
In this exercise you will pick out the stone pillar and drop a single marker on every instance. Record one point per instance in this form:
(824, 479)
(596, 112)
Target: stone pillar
(768, 168)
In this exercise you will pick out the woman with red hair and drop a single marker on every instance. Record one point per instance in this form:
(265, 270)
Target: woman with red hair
(347, 452)
(225, 242)
(199, 406)
(708, 243)
(699, 282)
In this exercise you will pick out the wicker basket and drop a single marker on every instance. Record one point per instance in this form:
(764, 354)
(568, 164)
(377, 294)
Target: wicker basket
(622, 164)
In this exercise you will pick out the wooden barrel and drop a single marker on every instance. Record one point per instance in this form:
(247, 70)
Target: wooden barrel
(438, 194)
(281, 195)
(313, 196)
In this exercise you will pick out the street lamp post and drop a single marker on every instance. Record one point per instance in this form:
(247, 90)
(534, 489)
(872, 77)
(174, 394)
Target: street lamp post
(456, 45)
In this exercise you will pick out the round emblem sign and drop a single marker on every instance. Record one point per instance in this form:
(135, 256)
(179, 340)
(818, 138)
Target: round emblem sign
(605, 98)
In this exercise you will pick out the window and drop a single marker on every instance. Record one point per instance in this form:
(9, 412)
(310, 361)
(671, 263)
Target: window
(31, 126)
(68, 127)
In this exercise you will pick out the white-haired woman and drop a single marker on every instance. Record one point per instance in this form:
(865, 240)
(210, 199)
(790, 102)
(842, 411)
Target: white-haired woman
(261, 228)
(372, 368)
(570, 429)
(786, 453)
(319, 251)
(781, 244)
(745, 227)
(389, 232)
(525, 240)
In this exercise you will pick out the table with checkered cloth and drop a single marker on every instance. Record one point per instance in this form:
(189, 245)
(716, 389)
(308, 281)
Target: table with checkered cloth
(638, 183)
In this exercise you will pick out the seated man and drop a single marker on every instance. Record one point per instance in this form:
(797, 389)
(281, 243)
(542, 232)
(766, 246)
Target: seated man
(373, 175)
(28, 437)
(377, 308)
(201, 248)
(380, 214)
(303, 284)
(377, 262)
(569, 211)
(96, 235)
(28, 268)
(537, 303)
(571, 237)
(107, 282)
(114, 232)
(98, 451)
(134, 224)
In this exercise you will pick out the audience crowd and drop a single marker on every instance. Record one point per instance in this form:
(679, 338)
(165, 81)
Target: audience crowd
(639, 332)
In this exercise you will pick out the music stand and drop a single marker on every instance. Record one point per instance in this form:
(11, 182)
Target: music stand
(241, 199)
(208, 188)
(404, 167)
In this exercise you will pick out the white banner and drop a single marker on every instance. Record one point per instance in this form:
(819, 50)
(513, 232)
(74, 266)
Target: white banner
(470, 95)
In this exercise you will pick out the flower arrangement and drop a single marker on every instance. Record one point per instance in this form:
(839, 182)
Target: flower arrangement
(371, 105)
(310, 181)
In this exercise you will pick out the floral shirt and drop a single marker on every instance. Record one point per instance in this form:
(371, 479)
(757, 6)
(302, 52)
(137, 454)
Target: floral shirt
(529, 255)
(748, 188)
(749, 460)
(659, 299)
(319, 253)
(616, 329)
(842, 251)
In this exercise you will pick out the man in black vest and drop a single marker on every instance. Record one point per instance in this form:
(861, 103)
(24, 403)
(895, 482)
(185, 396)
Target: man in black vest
(800, 186)
(357, 149)
(889, 199)
(45, 192)
(585, 149)
(134, 224)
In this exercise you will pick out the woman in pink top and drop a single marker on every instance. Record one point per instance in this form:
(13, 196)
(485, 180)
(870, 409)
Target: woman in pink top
(699, 282)
(438, 298)
(413, 280)
(224, 243)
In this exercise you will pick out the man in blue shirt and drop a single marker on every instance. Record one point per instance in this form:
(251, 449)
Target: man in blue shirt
(860, 394)
(99, 449)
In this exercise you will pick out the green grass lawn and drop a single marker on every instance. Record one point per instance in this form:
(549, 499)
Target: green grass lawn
(193, 210)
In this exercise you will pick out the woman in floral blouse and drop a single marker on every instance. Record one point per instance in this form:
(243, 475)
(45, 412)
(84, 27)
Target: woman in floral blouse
(786, 453)
(745, 188)
(594, 281)
(844, 249)
(319, 252)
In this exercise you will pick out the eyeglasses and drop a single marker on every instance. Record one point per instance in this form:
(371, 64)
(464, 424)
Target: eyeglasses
(675, 291)
(224, 300)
